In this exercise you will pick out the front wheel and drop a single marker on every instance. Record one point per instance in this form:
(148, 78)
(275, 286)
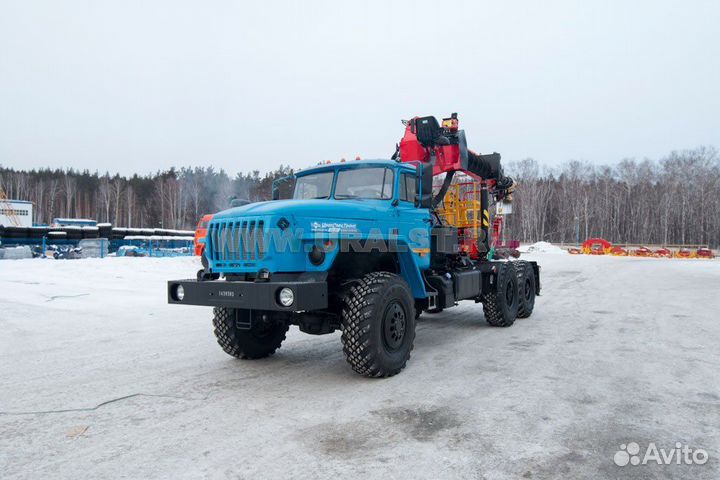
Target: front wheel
(259, 341)
(378, 320)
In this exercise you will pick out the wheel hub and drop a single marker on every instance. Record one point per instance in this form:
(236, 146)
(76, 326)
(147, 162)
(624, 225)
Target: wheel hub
(262, 327)
(394, 323)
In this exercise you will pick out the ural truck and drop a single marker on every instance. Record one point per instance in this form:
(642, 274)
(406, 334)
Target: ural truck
(363, 247)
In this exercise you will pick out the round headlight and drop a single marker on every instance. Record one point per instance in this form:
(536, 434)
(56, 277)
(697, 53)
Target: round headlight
(179, 293)
(286, 297)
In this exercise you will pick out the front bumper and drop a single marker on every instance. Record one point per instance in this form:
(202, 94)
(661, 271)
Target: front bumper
(309, 295)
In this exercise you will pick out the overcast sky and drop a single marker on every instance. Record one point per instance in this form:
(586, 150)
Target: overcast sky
(137, 86)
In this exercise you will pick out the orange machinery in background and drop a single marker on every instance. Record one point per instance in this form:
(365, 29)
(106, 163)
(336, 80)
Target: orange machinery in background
(200, 233)
(600, 246)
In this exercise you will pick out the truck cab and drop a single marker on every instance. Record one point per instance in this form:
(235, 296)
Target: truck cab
(341, 220)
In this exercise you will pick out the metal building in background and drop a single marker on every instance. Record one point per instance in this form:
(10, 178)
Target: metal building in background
(16, 213)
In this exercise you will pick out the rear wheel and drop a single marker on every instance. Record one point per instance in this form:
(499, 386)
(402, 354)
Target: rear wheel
(501, 306)
(378, 320)
(526, 289)
(259, 341)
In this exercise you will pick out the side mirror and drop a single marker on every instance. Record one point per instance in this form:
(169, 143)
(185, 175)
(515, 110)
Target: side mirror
(425, 195)
(275, 192)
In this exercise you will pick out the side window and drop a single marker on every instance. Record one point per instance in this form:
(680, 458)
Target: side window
(408, 187)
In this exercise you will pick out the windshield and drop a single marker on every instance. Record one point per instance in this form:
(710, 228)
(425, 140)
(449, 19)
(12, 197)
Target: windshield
(316, 185)
(369, 183)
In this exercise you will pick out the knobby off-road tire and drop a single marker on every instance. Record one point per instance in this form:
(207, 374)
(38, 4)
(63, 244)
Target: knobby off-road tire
(257, 342)
(501, 306)
(526, 289)
(378, 320)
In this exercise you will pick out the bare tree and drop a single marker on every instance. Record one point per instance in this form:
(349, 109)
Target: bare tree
(70, 189)
(117, 186)
(105, 197)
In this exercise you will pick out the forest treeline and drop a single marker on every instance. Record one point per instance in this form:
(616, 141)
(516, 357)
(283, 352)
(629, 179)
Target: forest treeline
(173, 199)
(671, 201)
(674, 200)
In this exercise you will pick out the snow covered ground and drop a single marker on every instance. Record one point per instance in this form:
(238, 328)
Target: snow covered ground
(99, 378)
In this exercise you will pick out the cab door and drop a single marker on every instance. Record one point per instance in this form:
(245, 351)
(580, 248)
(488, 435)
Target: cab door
(413, 223)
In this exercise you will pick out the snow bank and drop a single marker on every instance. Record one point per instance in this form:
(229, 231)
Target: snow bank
(541, 247)
(15, 253)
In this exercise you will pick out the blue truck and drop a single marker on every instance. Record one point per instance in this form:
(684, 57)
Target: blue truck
(359, 247)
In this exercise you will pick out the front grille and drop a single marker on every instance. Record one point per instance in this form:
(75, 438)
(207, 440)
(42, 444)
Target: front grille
(237, 241)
